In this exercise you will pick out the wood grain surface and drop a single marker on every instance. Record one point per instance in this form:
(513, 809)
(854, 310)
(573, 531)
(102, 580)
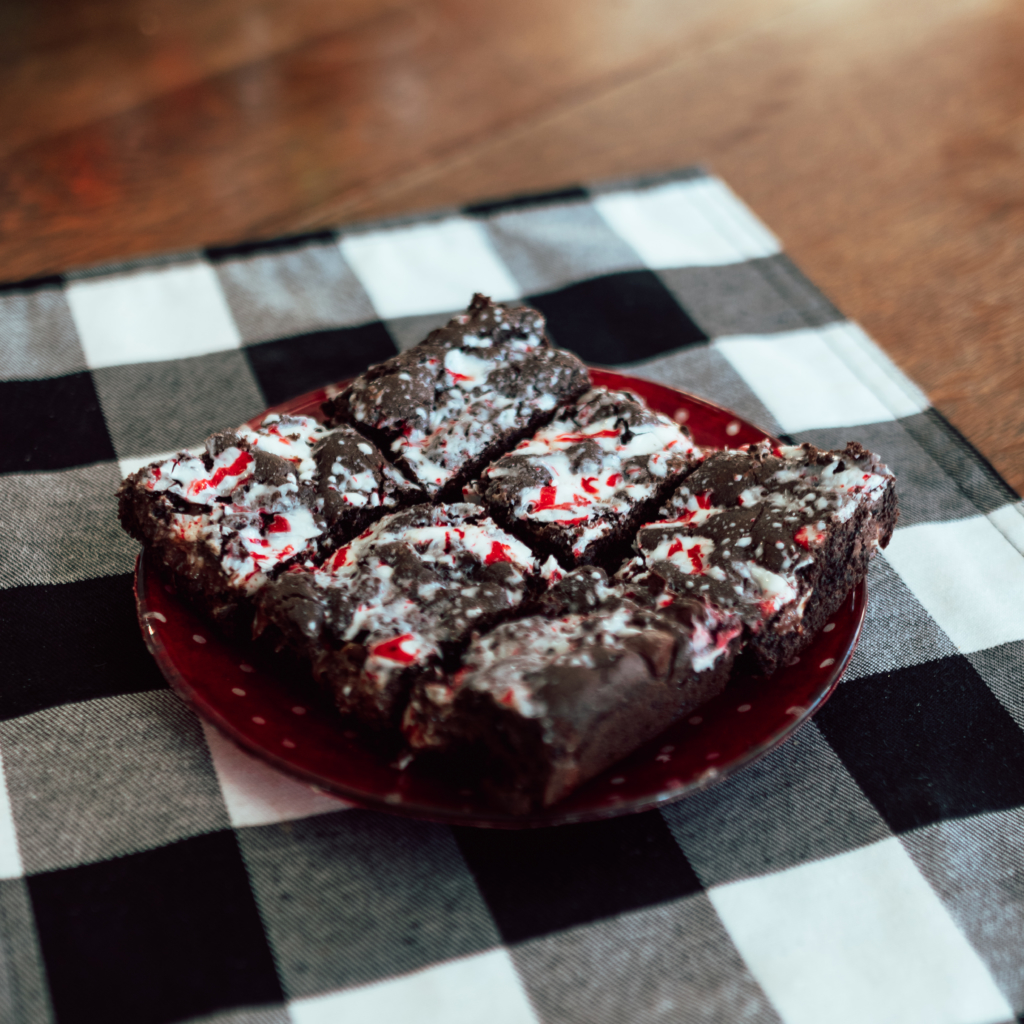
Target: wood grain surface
(883, 142)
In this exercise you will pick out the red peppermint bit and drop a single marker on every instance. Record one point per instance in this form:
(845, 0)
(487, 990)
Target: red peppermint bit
(392, 650)
(507, 698)
(337, 560)
(726, 635)
(615, 478)
(459, 376)
(704, 500)
(675, 548)
(805, 538)
(767, 608)
(279, 525)
(547, 500)
(867, 476)
(286, 551)
(459, 677)
(686, 516)
(587, 483)
(157, 473)
(573, 438)
(498, 553)
(777, 451)
(237, 468)
(696, 560)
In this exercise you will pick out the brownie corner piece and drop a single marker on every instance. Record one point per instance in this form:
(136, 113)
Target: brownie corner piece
(543, 703)
(397, 605)
(581, 486)
(473, 388)
(780, 534)
(252, 503)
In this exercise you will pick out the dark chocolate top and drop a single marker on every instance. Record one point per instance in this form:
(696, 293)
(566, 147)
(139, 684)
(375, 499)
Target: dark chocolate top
(445, 401)
(745, 526)
(572, 659)
(588, 469)
(415, 581)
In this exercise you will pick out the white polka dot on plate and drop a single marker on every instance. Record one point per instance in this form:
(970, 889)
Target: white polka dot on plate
(246, 668)
(732, 429)
(829, 628)
(712, 755)
(618, 780)
(199, 639)
(290, 744)
(238, 691)
(258, 720)
(681, 415)
(298, 710)
(743, 707)
(827, 662)
(695, 720)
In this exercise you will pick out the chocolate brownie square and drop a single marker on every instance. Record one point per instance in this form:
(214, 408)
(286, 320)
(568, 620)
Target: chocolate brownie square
(398, 604)
(450, 405)
(582, 485)
(253, 503)
(543, 703)
(779, 535)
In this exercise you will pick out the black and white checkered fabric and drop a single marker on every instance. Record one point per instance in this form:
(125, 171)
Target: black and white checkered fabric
(871, 870)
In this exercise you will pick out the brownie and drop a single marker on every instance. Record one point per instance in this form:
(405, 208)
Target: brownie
(254, 502)
(450, 405)
(543, 703)
(398, 604)
(581, 486)
(779, 535)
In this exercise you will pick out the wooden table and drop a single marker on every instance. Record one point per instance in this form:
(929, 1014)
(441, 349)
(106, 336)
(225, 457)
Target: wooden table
(884, 143)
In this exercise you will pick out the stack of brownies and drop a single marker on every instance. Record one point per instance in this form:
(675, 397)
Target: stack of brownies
(526, 576)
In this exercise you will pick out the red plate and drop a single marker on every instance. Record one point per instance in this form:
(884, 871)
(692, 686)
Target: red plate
(290, 724)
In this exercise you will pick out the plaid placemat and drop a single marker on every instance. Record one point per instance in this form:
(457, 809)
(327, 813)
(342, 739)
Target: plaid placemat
(871, 870)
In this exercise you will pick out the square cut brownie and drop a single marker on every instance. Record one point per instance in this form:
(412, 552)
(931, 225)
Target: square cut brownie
(582, 485)
(398, 604)
(543, 703)
(777, 534)
(448, 406)
(255, 501)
